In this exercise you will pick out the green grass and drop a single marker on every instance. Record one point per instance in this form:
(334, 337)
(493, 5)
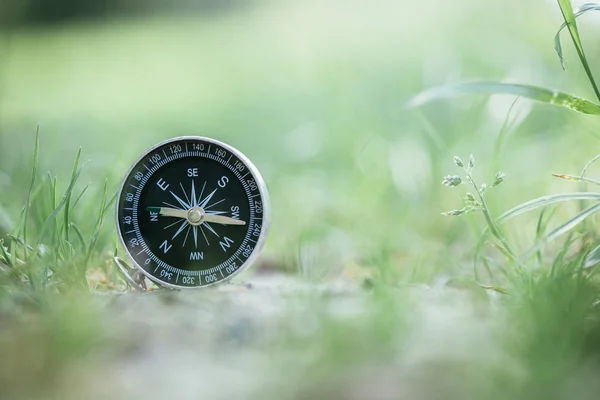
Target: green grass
(388, 297)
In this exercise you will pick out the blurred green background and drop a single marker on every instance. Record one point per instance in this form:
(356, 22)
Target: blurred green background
(314, 92)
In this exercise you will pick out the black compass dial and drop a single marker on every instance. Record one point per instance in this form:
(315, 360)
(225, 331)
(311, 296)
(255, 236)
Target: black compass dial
(192, 212)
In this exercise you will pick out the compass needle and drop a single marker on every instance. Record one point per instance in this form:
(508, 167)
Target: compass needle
(169, 212)
(213, 212)
(221, 219)
(191, 212)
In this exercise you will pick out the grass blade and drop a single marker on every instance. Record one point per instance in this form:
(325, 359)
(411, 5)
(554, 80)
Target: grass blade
(34, 169)
(569, 16)
(68, 196)
(563, 228)
(580, 11)
(4, 257)
(545, 201)
(575, 178)
(593, 258)
(79, 235)
(85, 188)
(544, 95)
(58, 208)
(105, 205)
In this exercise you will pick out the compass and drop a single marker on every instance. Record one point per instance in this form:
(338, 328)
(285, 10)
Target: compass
(192, 212)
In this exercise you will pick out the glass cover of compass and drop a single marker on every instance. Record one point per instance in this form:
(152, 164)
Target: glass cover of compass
(192, 211)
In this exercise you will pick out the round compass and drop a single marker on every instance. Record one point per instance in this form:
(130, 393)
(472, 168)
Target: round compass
(192, 212)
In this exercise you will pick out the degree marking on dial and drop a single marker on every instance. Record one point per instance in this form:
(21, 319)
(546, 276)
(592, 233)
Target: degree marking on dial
(135, 187)
(147, 168)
